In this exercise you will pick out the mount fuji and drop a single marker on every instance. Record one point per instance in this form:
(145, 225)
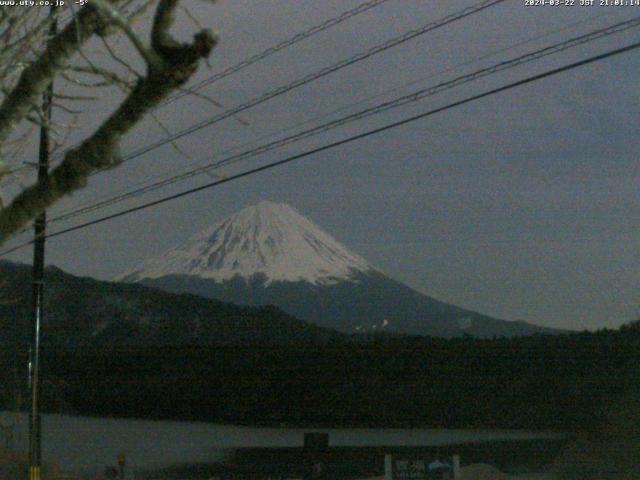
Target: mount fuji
(269, 254)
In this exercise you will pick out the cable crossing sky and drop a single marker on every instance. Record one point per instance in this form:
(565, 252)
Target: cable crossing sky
(382, 107)
(406, 37)
(414, 118)
(298, 37)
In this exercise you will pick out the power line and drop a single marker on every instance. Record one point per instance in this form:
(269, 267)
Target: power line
(363, 7)
(298, 37)
(375, 131)
(407, 36)
(410, 35)
(400, 101)
(110, 199)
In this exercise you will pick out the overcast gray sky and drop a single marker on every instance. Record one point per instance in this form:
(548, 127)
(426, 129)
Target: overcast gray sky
(524, 205)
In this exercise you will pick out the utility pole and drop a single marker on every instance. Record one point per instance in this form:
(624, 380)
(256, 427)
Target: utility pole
(35, 454)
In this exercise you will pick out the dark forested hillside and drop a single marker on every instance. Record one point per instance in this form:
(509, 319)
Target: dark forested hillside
(130, 350)
(91, 313)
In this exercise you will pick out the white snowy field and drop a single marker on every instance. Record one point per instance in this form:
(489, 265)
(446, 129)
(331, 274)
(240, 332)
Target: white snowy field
(84, 443)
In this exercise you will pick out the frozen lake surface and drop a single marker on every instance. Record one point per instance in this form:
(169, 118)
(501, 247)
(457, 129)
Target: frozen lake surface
(82, 443)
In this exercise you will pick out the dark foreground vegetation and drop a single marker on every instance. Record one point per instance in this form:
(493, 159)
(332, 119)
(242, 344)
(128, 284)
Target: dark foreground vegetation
(561, 382)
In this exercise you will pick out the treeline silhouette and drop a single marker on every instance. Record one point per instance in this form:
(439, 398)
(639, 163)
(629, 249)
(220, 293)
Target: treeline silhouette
(539, 382)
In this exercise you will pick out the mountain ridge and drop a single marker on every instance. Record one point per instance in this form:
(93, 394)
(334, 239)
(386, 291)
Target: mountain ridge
(84, 312)
(269, 254)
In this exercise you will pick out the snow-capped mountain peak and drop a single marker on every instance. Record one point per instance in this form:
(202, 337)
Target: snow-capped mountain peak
(268, 239)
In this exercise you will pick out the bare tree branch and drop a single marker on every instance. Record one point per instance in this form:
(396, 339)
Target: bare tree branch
(175, 64)
(111, 77)
(118, 59)
(35, 78)
(112, 15)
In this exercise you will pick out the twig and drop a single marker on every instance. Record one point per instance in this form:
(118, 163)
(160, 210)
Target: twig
(178, 62)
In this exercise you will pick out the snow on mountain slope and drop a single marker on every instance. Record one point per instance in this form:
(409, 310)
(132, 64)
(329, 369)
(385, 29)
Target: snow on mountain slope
(270, 239)
(269, 254)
